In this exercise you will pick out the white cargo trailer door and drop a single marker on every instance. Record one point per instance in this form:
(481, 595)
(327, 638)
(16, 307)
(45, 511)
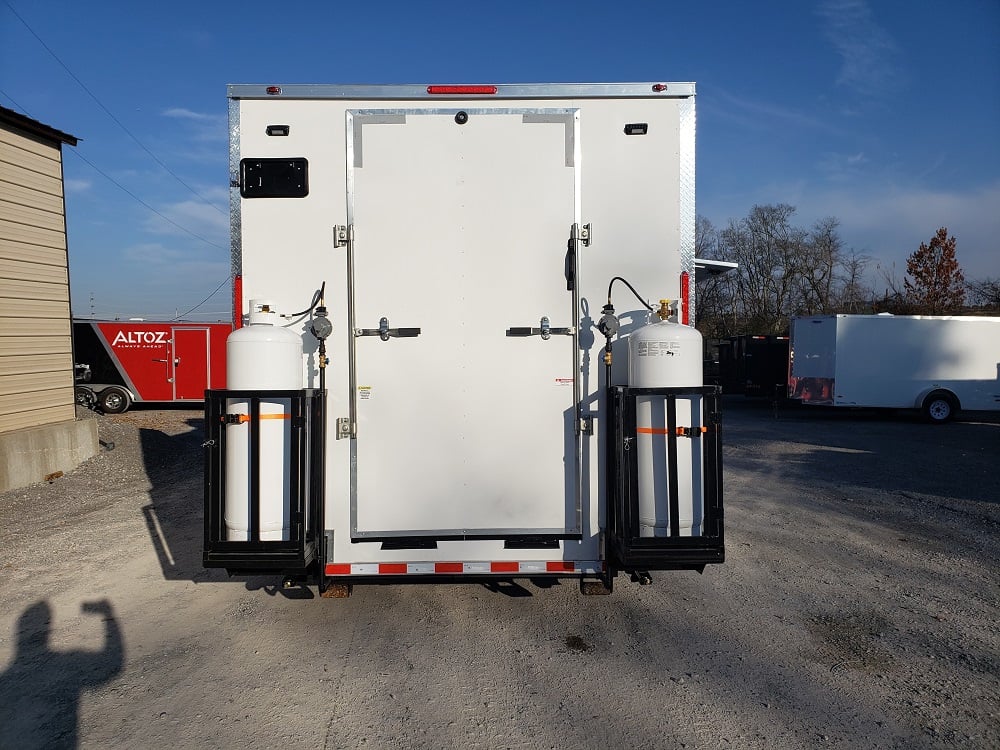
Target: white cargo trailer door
(460, 226)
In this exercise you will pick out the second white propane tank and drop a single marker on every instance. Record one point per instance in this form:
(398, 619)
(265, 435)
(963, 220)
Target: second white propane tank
(262, 357)
(665, 354)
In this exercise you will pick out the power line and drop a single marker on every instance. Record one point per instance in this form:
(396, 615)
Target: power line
(109, 113)
(121, 187)
(142, 202)
(188, 312)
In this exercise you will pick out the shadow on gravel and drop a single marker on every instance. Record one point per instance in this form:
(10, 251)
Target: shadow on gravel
(889, 451)
(40, 690)
(174, 518)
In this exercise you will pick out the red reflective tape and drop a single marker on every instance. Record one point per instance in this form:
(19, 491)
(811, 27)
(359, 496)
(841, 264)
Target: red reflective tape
(338, 569)
(391, 568)
(560, 566)
(505, 567)
(238, 301)
(448, 567)
(652, 431)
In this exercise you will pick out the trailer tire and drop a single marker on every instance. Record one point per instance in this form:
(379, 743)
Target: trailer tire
(939, 407)
(85, 396)
(114, 400)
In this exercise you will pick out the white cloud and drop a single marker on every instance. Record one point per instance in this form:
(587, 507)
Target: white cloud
(188, 218)
(76, 185)
(155, 281)
(187, 114)
(169, 264)
(841, 168)
(203, 126)
(869, 55)
(889, 224)
(760, 115)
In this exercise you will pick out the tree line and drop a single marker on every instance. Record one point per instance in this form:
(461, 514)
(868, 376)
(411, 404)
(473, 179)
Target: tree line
(787, 271)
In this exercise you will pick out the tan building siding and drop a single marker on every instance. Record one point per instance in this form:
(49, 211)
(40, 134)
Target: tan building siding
(36, 367)
(33, 364)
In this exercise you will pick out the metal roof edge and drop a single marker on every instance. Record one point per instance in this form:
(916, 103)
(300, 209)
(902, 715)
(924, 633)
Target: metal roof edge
(666, 90)
(35, 127)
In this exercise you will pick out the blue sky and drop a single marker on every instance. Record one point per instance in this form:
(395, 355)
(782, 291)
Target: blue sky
(884, 114)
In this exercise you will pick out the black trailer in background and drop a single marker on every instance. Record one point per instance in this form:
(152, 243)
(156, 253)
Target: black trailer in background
(751, 365)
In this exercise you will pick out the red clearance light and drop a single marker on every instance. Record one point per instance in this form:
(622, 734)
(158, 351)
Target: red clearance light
(461, 89)
(238, 301)
(274, 90)
(685, 296)
(659, 87)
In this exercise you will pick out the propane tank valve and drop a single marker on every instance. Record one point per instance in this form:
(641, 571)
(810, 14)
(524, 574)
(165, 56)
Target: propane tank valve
(320, 327)
(608, 325)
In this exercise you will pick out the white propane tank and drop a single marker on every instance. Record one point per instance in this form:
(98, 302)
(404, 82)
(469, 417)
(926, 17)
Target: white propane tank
(261, 356)
(666, 354)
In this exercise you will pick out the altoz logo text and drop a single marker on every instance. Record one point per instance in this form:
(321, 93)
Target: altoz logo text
(139, 339)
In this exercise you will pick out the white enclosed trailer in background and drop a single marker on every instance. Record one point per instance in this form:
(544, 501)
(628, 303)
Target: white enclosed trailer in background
(937, 364)
(471, 411)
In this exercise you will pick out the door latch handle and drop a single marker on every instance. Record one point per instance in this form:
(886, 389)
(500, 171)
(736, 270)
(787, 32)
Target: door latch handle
(545, 330)
(384, 332)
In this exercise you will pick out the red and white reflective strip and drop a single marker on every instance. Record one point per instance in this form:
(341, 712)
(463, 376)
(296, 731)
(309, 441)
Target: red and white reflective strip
(496, 567)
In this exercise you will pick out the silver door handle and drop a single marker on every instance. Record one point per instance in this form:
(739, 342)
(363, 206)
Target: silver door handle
(385, 333)
(545, 330)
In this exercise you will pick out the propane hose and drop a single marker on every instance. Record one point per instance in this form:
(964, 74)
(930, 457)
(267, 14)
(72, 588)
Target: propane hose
(317, 299)
(631, 288)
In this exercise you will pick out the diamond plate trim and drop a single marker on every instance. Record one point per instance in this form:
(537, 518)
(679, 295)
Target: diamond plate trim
(235, 221)
(688, 215)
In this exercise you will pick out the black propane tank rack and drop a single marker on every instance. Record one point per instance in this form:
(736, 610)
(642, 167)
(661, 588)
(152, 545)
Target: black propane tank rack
(301, 554)
(626, 550)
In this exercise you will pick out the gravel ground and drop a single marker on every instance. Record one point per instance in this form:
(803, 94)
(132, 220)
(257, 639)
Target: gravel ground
(857, 609)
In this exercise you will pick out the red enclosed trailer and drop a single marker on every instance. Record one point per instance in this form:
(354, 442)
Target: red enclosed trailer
(121, 362)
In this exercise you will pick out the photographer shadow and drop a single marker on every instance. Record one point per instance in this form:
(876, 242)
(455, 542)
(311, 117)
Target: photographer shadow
(41, 688)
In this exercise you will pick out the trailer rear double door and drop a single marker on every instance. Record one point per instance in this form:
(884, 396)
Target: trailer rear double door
(451, 238)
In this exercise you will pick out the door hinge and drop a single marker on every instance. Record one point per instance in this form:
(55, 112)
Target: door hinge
(345, 428)
(340, 234)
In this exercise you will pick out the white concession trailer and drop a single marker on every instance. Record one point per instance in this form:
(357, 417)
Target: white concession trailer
(938, 364)
(466, 345)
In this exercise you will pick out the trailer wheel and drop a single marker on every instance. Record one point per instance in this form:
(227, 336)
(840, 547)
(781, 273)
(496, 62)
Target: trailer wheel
(939, 407)
(85, 396)
(113, 400)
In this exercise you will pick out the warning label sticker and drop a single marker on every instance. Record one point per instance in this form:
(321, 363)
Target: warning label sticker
(364, 392)
(564, 381)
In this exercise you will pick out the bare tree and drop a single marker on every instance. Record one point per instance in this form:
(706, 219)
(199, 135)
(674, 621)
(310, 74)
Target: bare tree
(984, 294)
(713, 302)
(783, 271)
(768, 250)
(893, 298)
(854, 295)
(819, 259)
